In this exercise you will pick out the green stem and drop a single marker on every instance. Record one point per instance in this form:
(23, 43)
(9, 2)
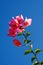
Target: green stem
(24, 36)
(35, 56)
(32, 50)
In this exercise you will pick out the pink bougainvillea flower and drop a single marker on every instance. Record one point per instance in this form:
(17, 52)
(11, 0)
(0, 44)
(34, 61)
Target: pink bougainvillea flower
(27, 22)
(20, 19)
(13, 23)
(11, 32)
(17, 42)
(15, 26)
(18, 24)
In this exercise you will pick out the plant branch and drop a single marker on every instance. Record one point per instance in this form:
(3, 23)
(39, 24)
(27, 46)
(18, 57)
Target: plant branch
(35, 56)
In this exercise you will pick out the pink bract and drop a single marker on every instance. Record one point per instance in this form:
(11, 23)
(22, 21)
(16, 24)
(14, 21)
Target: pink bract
(27, 22)
(17, 42)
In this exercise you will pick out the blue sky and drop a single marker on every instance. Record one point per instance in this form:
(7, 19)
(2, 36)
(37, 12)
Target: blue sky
(10, 54)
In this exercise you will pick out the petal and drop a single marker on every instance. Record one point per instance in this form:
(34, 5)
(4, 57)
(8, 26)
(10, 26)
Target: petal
(16, 21)
(13, 22)
(17, 42)
(11, 32)
(27, 22)
(20, 19)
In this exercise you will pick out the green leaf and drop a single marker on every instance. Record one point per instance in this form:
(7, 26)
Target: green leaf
(28, 51)
(25, 41)
(33, 58)
(28, 41)
(37, 51)
(35, 63)
(41, 62)
(20, 33)
(27, 34)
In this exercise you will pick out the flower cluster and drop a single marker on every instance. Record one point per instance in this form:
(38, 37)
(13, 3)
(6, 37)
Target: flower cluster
(17, 25)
